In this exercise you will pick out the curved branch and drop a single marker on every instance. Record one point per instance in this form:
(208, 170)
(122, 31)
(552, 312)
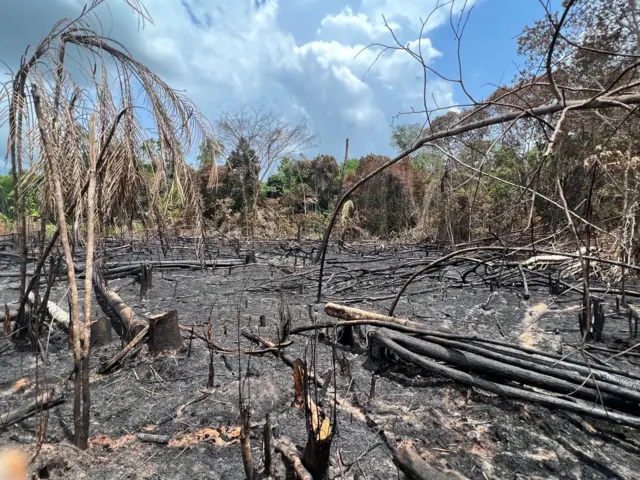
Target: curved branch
(552, 47)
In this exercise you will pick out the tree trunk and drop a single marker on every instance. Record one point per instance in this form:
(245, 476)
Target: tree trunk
(409, 461)
(146, 280)
(316, 456)
(101, 332)
(76, 327)
(55, 311)
(487, 366)
(164, 333)
(124, 320)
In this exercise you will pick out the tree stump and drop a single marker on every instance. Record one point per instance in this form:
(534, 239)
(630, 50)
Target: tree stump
(316, 456)
(164, 333)
(598, 318)
(345, 336)
(146, 280)
(250, 257)
(633, 315)
(101, 332)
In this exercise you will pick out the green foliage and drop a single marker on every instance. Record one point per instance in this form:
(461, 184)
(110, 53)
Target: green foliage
(303, 182)
(243, 182)
(404, 136)
(32, 203)
(351, 167)
(283, 182)
(6, 196)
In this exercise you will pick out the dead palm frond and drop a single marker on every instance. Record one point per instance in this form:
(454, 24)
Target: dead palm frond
(119, 89)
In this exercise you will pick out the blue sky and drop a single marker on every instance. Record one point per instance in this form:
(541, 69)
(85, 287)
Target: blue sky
(297, 56)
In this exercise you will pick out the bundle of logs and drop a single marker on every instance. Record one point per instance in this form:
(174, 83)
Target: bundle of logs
(559, 382)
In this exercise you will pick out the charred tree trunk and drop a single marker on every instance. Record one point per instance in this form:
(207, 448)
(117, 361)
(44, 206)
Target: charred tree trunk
(101, 332)
(146, 280)
(315, 457)
(505, 390)
(127, 323)
(320, 430)
(486, 366)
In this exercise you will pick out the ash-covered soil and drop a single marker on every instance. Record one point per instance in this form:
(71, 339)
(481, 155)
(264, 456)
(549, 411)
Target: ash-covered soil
(452, 426)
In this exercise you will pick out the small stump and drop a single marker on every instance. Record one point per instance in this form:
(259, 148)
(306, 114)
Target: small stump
(101, 332)
(164, 333)
(146, 280)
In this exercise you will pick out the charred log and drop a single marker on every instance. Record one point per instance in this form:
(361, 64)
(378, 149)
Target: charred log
(505, 390)
(127, 323)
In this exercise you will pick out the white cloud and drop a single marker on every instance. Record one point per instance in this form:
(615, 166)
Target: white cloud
(413, 13)
(392, 66)
(348, 25)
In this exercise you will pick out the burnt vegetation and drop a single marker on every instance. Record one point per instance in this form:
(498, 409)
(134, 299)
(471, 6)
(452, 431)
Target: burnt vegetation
(466, 309)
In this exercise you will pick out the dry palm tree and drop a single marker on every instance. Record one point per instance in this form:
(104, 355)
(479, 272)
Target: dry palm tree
(85, 146)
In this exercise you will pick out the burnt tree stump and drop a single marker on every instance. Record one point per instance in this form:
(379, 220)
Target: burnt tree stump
(164, 333)
(633, 316)
(146, 280)
(250, 257)
(598, 318)
(101, 332)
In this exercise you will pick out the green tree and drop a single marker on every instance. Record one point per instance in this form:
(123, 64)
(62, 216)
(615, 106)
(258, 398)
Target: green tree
(6, 196)
(284, 180)
(404, 136)
(324, 179)
(244, 183)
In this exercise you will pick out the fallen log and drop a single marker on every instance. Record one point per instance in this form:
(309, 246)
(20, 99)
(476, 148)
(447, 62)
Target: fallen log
(504, 390)
(42, 402)
(55, 311)
(288, 450)
(153, 438)
(483, 365)
(350, 313)
(600, 372)
(549, 258)
(410, 462)
(569, 375)
(127, 323)
(120, 269)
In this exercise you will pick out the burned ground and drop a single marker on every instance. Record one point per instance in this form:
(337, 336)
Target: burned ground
(454, 427)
